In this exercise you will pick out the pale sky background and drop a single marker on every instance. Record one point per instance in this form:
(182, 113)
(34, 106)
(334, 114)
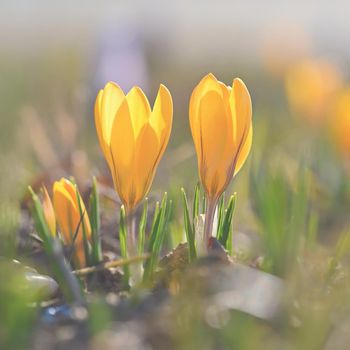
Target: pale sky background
(184, 28)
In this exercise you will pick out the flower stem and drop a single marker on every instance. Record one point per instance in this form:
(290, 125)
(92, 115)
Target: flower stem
(136, 269)
(131, 234)
(209, 218)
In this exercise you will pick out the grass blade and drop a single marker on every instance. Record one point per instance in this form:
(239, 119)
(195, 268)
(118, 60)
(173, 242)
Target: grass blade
(142, 228)
(82, 223)
(157, 237)
(195, 209)
(189, 229)
(96, 249)
(227, 224)
(221, 212)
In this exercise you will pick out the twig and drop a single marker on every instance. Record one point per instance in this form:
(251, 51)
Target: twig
(114, 263)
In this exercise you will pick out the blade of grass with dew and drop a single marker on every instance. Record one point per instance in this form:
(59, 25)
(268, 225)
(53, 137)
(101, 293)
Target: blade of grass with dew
(123, 243)
(189, 229)
(142, 228)
(226, 232)
(96, 249)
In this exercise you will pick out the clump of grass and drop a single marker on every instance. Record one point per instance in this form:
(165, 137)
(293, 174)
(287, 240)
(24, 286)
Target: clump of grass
(147, 243)
(224, 226)
(283, 209)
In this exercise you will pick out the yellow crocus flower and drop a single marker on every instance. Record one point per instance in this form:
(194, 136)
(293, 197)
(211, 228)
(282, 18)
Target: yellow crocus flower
(133, 137)
(310, 87)
(221, 125)
(66, 200)
(48, 211)
(340, 122)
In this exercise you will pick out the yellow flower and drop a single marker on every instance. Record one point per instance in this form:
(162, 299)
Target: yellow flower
(66, 205)
(133, 137)
(48, 211)
(310, 86)
(221, 125)
(340, 123)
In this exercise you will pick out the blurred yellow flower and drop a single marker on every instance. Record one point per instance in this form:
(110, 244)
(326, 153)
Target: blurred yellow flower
(66, 200)
(133, 137)
(282, 43)
(221, 125)
(340, 122)
(48, 211)
(310, 87)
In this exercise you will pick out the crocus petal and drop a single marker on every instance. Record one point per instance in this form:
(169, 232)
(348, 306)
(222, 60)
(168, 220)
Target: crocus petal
(241, 109)
(107, 103)
(112, 98)
(213, 135)
(98, 121)
(161, 118)
(146, 157)
(208, 83)
(79, 205)
(49, 211)
(139, 109)
(122, 149)
(244, 151)
(66, 213)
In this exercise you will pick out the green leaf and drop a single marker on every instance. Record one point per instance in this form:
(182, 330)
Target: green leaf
(229, 241)
(189, 229)
(96, 249)
(157, 237)
(82, 223)
(226, 235)
(282, 205)
(221, 211)
(40, 223)
(155, 216)
(195, 209)
(142, 228)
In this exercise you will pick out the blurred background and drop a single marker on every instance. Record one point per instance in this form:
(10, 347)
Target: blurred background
(293, 56)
